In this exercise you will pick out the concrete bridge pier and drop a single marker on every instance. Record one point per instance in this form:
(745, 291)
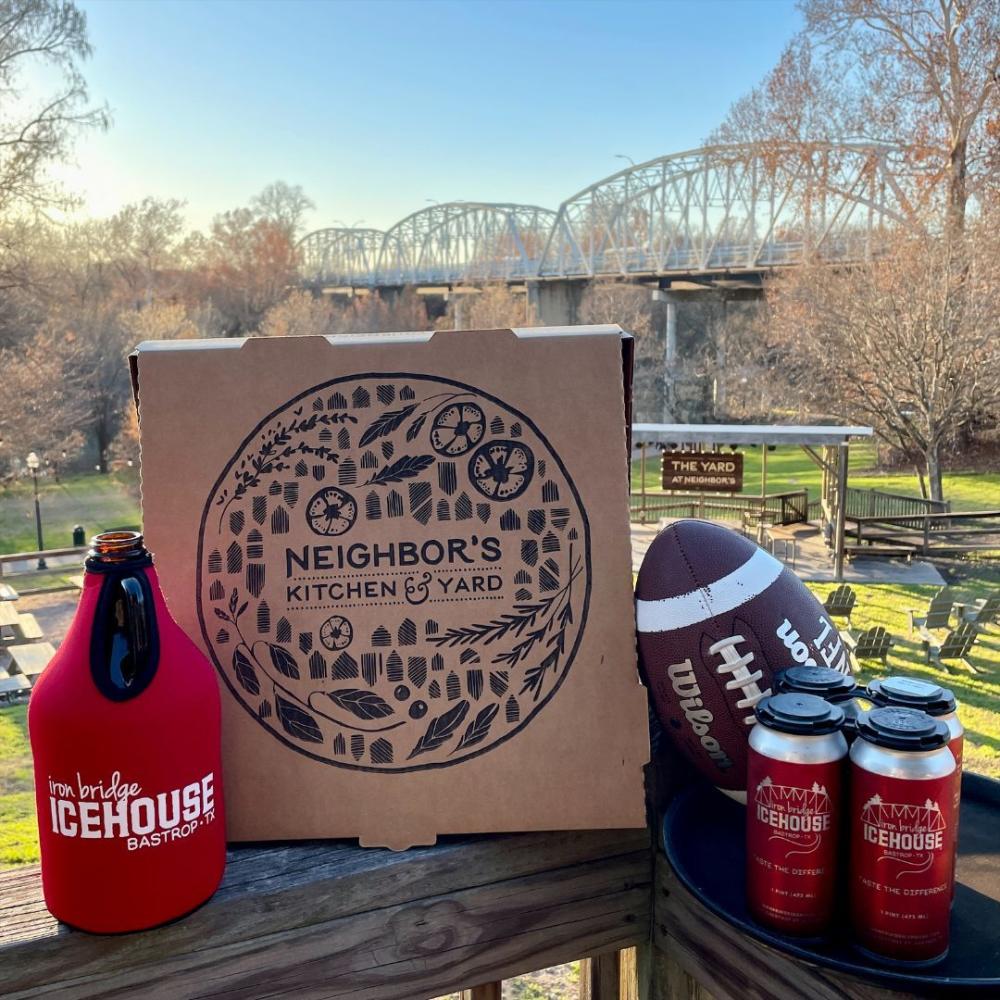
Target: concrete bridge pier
(556, 303)
(670, 302)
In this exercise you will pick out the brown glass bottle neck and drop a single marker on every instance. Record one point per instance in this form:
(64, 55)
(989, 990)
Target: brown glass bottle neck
(117, 548)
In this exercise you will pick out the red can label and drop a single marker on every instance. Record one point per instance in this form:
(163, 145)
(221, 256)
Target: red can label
(902, 864)
(793, 815)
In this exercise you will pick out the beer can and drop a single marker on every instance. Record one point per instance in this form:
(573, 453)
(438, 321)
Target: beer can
(902, 834)
(794, 783)
(826, 683)
(936, 701)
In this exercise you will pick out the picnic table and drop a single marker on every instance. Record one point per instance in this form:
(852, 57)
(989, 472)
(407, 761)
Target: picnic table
(9, 614)
(30, 659)
(7, 592)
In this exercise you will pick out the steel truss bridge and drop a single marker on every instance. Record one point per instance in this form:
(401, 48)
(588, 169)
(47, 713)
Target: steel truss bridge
(743, 208)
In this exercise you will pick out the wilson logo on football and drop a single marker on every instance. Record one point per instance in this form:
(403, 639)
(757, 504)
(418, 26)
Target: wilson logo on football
(699, 718)
(796, 816)
(907, 834)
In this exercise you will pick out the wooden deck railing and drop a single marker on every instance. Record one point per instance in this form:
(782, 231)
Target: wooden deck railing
(928, 534)
(878, 503)
(11, 557)
(781, 508)
(335, 921)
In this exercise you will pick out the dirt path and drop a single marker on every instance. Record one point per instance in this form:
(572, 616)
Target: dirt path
(54, 612)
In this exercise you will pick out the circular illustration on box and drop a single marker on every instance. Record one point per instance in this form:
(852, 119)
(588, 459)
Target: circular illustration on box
(332, 511)
(336, 633)
(457, 428)
(394, 572)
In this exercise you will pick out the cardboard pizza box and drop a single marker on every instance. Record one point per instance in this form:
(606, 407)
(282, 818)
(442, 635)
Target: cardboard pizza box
(408, 558)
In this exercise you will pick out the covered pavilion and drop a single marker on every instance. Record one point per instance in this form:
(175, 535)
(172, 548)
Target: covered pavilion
(826, 445)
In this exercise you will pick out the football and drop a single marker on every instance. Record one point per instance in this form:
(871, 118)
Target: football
(717, 617)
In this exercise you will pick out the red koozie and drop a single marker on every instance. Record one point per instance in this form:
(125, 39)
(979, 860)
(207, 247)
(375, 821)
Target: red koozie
(124, 727)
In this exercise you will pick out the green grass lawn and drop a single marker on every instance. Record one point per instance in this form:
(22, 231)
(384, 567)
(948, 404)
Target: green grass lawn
(977, 690)
(789, 468)
(96, 501)
(18, 835)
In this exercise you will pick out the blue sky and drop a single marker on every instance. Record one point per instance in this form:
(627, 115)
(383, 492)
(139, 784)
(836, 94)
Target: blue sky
(376, 107)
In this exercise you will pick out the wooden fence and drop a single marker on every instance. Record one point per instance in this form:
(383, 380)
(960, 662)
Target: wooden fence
(12, 557)
(927, 534)
(878, 503)
(777, 508)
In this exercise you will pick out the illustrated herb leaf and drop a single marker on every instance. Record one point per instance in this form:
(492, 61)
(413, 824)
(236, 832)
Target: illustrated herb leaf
(414, 428)
(283, 661)
(297, 722)
(478, 729)
(363, 704)
(440, 729)
(245, 672)
(386, 424)
(242, 608)
(403, 468)
(219, 613)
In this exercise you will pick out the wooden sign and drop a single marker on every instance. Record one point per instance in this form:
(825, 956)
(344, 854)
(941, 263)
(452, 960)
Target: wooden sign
(705, 472)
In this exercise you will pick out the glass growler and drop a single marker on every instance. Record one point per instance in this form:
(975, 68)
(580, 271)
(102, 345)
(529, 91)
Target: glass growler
(125, 732)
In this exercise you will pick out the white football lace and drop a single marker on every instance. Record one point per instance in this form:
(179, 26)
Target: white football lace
(736, 664)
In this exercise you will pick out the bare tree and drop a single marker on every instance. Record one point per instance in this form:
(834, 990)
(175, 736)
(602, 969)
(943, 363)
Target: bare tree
(921, 76)
(618, 302)
(493, 307)
(37, 413)
(143, 242)
(285, 205)
(244, 267)
(53, 34)
(301, 314)
(909, 343)
(377, 313)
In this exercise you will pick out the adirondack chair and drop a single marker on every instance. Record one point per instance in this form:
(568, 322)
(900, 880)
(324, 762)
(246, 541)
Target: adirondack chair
(983, 612)
(872, 644)
(956, 646)
(938, 614)
(840, 602)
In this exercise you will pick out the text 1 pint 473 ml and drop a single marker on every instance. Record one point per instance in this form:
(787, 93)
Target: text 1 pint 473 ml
(794, 779)
(902, 824)
(124, 726)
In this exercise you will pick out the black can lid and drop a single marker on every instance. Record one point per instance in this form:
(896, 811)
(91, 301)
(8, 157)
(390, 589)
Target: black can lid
(824, 682)
(902, 729)
(804, 714)
(908, 692)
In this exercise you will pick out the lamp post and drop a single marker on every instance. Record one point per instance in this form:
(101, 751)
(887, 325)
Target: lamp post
(32, 462)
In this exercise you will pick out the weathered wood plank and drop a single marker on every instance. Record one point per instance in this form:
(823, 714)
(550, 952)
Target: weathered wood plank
(600, 977)
(331, 920)
(628, 965)
(730, 965)
(488, 991)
